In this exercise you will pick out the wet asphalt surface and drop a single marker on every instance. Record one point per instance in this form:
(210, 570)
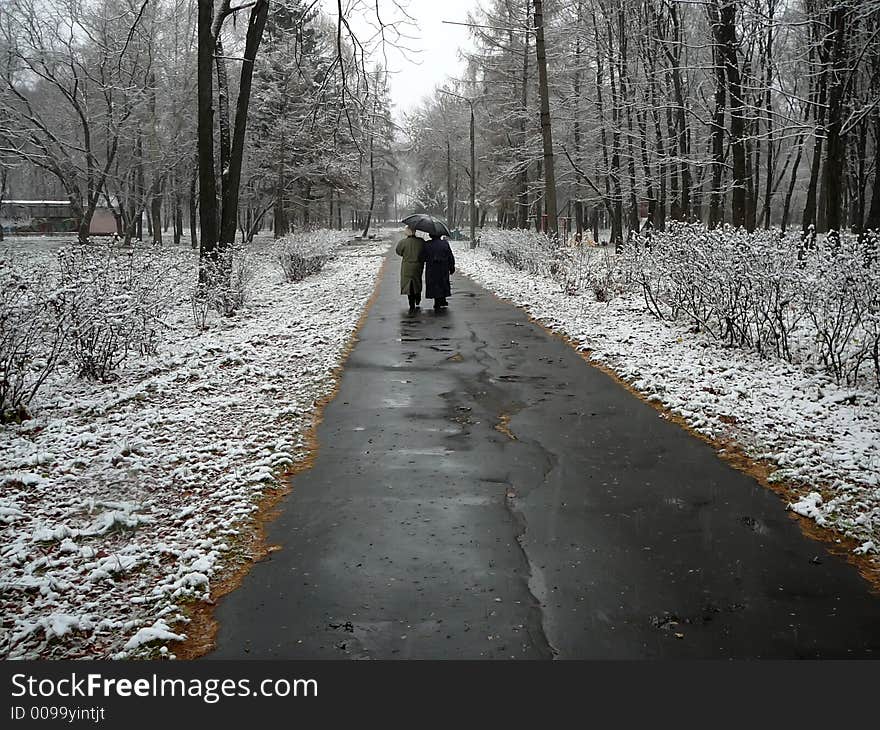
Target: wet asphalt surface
(588, 527)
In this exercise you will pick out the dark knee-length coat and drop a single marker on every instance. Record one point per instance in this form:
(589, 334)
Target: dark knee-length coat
(439, 264)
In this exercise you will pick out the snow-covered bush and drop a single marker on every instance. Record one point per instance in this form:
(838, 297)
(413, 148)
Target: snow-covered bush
(306, 253)
(522, 249)
(113, 299)
(867, 297)
(605, 277)
(840, 297)
(580, 268)
(231, 279)
(764, 290)
(33, 331)
(570, 269)
(574, 268)
(200, 306)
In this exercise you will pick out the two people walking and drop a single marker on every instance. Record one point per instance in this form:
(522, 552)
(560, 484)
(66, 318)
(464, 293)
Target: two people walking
(435, 257)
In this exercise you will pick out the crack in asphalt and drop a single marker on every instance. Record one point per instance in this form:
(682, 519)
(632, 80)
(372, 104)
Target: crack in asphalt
(535, 583)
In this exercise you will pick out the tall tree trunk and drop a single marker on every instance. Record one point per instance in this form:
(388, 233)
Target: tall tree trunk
(178, 214)
(682, 206)
(307, 203)
(726, 39)
(872, 222)
(835, 157)
(193, 205)
(207, 179)
(716, 195)
(617, 192)
(472, 213)
(768, 105)
(623, 73)
(229, 218)
(808, 220)
(600, 109)
(523, 194)
(450, 193)
(660, 213)
(140, 187)
(650, 221)
(156, 215)
(861, 177)
(3, 177)
(158, 182)
(578, 154)
(546, 128)
(786, 207)
(372, 187)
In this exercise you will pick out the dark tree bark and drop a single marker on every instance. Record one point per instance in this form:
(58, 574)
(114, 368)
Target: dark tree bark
(835, 156)
(872, 222)
(768, 105)
(546, 128)
(786, 207)
(523, 194)
(622, 74)
(193, 204)
(717, 132)
(178, 214)
(373, 185)
(576, 131)
(681, 206)
(450, 194)
(818, 96)
(3, 177)
(614, 172)
(156, 216)
(860, 177)
(654, 92)
(725, 37)
(207, 179)
(140, 188)
(229, 218)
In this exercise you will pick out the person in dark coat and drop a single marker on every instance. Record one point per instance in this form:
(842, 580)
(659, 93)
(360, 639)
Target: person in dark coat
(410, 250)
(439, 264)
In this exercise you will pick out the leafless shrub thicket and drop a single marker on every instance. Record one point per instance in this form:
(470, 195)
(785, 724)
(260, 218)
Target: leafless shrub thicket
(304, 254)
(232, 275)
(573, 268)
(764, 291)
(114, 301)
(816, 305)
(98, 306)
(33, 332)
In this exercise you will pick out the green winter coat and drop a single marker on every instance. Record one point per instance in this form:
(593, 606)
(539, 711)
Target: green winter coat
(410, 249)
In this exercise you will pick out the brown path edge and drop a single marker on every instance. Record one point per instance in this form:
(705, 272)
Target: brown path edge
(734, 454)
(201, 631)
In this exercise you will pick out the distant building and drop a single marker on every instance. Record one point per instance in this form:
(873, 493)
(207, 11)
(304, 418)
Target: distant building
(51, 216)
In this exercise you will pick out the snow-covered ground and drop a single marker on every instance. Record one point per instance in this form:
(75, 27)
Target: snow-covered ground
(120, 503)
(824, 439)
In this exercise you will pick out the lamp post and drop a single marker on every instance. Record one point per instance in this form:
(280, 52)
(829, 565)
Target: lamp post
(473, 206)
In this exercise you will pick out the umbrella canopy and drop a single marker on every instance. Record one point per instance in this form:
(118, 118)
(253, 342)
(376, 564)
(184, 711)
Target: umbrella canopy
(426, 223)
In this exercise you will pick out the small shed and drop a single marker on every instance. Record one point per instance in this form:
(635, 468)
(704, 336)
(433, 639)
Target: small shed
(23, 217)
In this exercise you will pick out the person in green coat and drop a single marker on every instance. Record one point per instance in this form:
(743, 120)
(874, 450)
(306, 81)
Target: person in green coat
(410, 251)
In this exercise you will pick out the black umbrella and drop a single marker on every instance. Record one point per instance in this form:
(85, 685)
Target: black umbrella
(426, 223)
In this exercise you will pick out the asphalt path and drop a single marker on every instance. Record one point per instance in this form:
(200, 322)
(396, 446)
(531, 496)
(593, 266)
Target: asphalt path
(480, 491)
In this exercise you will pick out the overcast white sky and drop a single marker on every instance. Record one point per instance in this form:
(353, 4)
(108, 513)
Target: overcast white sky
(433, 54)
